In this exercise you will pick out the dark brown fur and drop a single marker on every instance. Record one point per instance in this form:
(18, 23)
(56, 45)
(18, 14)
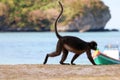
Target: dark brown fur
(72, 44)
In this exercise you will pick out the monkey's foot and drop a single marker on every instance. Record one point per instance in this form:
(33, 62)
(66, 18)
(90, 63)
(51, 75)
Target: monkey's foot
(65, 63)
(73, 64)
(44, 63)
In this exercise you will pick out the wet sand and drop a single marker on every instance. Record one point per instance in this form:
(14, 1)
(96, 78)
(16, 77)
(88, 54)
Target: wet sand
(59, 72)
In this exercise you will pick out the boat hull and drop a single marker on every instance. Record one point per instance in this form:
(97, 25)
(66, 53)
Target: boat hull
(102, 59)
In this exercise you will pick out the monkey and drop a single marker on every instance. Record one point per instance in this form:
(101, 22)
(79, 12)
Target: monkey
(73, 44)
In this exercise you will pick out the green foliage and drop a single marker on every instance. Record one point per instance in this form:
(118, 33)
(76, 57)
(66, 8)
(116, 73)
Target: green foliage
(33, 12)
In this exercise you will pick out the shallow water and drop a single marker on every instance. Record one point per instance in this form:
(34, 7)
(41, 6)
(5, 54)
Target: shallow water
(32, 47)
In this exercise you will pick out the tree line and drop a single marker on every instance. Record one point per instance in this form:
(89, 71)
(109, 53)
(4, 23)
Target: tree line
(39, 15)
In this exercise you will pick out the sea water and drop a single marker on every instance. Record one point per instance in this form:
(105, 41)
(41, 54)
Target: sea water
(32, 47)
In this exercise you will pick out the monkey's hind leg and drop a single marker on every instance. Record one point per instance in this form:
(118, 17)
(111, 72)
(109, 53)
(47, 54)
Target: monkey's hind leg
(56, 53)
(64, 56)
(51, 55)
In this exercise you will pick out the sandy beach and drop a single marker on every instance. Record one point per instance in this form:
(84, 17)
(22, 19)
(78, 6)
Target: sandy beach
(59, 72)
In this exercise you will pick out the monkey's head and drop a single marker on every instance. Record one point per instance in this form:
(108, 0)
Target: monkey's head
(93, 45)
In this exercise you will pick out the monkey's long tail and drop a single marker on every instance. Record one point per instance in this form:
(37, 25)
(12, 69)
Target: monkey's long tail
(57, 34)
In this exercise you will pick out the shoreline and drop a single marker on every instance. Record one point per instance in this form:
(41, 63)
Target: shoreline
(59, 72)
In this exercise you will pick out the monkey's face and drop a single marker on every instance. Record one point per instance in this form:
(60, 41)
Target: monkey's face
(93, 45)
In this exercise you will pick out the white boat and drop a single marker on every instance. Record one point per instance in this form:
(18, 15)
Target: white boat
(111, 55)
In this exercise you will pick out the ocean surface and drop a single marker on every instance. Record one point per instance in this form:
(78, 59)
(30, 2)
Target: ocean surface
(32, 47)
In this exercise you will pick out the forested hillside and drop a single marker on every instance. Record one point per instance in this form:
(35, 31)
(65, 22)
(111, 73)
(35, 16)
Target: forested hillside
(39, 15)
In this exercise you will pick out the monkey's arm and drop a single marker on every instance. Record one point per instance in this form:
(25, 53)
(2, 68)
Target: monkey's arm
(90, 57)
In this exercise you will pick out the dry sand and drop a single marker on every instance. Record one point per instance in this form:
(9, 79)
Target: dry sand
(59, 72)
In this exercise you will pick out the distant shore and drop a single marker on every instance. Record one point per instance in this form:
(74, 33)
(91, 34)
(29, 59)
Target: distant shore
(47, 30)
(59, 72)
